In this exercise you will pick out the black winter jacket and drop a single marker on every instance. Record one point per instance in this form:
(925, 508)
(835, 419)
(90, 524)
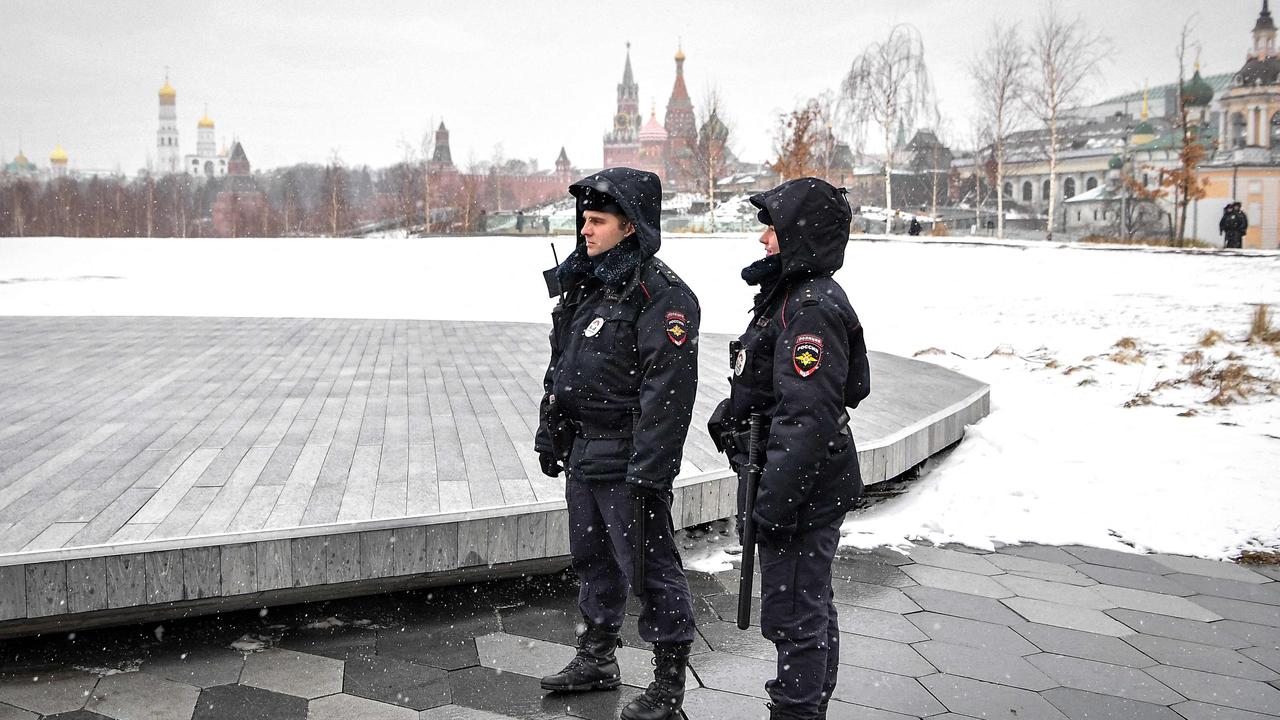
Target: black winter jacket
(624, 347)
(803, 360)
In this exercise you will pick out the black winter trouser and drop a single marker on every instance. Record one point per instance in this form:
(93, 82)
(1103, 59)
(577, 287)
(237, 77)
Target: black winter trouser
(600, 540)
(798, 615)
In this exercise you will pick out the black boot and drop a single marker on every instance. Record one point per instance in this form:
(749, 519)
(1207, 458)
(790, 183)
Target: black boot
(665, 695)
(781, 713)
(593, 668)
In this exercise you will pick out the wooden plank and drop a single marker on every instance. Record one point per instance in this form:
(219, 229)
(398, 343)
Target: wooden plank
(557, 533)
(377, 554)
(307, 560)
(46, 589)
(502, 540)
(126, 581)
(473, 543)
(275, 564)
(441, 546)
(86, 585)
(13, 592)
(239, 564)
(357, 500)
(164, 576)
(201, 572)
(342, 557)
(409, 550)
(531, 536)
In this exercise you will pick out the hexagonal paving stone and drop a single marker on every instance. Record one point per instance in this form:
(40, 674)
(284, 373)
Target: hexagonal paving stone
(1195, 710)
(293, 673)
(1119, 577)
(1266, 656)
(1090, 646)
(1104, 678)
(987, 665)
(877, 623)
(1252, 634)
(885, 691)
(1081, 705)
(1067, 594)
(709, 703)
(536, 658)
(199, 666)
(971, 633)
(877, 654)
(838, 710)
(876, 597)
(339, 643)
(347, 707)
(1043, 553)
(457, 712)
(448, 646)
(734, 673)
(47, 693)
(1216, 633)
(519, 696)
(1241, 610)
(726, 637)
(870, 570)
(73, 715)
(139, 696)
(1039, 569)
(952, 560)
(396, 682)
(1209, 568)
(1161, 604)
(984, 700)
(957, 580)
(1116, 559)
(950, 602)
(1267, 594)
(1201, 657)
(247, 703)
(1220, 690)
(9, 712)
(1067, 616)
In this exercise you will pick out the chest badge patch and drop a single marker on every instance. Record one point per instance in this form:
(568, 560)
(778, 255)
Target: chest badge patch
(740, 362)
(806, 356)
(677, 328)
(594, 327)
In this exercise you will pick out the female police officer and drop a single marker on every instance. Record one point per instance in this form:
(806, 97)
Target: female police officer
(800, 363)
(619, 395)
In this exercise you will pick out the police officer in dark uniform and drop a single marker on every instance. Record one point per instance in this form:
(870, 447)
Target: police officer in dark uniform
(619, 395)
(800, 363)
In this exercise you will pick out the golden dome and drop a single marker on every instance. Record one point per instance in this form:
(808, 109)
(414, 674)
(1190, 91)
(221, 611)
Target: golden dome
(167, 91)
(20, 159)
(58, 155)
(679, 54)
(205, 122)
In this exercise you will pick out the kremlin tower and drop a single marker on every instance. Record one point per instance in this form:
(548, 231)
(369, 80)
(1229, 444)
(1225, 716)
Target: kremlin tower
(622, 144)
(58, 162)
(682, 131)
(207, 161)
(167, 156)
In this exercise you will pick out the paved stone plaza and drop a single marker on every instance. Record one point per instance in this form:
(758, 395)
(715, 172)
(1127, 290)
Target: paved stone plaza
(1027, 632)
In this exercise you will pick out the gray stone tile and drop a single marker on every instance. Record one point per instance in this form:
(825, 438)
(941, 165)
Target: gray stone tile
(1195, 710)
(1209, 568)
(1268, 657)
(877, 623)
(877, 654)
(953, 560)
(535, 658)
(1120, 577)
(1215, 633)
(396, 682)
(977, 699)
(139, 696)
(709, 703)
(293, 673)
(1158, 603)
(242, 702)
(732, 673)
(838, 710)
(1045, 553)
(520, 696)
(876, 597)
(1104, 678)
(1039, 569)
(1267, 594)
(1089, 646)
(338, 643)
(1271, 571)
(446, 646)
(457, 712)
(986, 665)
(1242, 610)
(1067, 616)
(1262, 636)
(956, 580)
(73, 715)
(726, 637)
(1194, 656)
(1220, 690)
(971, 633)
(47, 693)
(1086, 597)
(199, 666)
(870, 569)
(9, 712)
(885, 691)
(346, 707)
(950, 602)
(1081, 705)
(1117, 559)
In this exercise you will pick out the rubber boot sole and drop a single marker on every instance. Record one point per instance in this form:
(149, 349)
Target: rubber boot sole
(603, 684)
(677, 714)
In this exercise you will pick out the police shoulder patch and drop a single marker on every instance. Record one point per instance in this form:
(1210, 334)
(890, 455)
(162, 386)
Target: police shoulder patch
(677, 327)
(806, 354)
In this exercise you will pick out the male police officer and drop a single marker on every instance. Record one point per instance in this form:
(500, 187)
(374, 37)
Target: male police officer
(619, 395)
(801, 361)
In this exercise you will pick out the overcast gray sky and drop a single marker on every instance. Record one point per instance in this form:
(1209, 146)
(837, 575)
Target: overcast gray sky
(297, 81)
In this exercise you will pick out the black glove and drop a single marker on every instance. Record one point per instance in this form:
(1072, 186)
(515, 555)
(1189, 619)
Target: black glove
(551, 467)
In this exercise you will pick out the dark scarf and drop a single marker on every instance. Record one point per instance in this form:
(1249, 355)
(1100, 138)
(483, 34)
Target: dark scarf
(765, 272)
(613, 268)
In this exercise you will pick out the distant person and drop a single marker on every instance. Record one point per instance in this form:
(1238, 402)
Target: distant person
(620, 389)
(1230, 226)
(915, 227)
(1242, 225)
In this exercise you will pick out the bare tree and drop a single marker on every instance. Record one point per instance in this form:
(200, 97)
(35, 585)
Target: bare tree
(1184, 180)
(1064, 54)
(798, 140)
(999, 80)
(335, 194)
(428, 147)
(888, 83)
(709, 158)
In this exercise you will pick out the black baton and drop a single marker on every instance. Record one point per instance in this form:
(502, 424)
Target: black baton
(748, 524)
(637, 545)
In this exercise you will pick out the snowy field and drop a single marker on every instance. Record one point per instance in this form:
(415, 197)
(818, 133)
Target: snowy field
(1112, 424)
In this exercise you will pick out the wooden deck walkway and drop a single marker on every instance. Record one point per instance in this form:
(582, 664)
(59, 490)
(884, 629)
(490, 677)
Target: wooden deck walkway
(178, 463)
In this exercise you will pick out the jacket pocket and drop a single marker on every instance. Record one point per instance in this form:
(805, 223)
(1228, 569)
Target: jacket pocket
(601, 458)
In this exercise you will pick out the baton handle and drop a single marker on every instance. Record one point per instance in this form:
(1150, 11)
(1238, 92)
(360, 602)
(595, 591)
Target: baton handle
(748, 523)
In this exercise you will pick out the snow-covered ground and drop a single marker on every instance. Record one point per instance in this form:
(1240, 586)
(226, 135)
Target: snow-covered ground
(1102, 429)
